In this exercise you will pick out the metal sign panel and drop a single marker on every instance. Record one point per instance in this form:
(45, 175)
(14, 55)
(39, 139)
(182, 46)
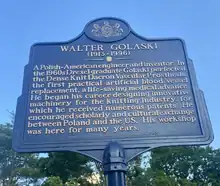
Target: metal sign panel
(109, 84)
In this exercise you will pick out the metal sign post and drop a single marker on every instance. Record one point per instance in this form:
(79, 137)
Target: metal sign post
(114, 164)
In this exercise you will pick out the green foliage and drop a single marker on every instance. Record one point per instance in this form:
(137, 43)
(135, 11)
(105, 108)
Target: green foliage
(53, 181)
(15, 166)
(171, 166)
(66, 165)
(196, 164)
(56, 181)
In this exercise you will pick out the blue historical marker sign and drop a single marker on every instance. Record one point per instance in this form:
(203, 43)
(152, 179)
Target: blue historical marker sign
(109, 84)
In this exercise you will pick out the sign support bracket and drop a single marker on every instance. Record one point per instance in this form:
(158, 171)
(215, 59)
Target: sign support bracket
(114, 164)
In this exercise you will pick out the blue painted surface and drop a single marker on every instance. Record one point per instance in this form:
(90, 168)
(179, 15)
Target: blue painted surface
(144, 135)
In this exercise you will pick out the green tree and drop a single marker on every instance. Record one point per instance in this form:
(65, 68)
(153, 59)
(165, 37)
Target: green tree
(140, 174)
(174, 166)
(66, 165)
(15, 166)
(188, 164)
(53, 181)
